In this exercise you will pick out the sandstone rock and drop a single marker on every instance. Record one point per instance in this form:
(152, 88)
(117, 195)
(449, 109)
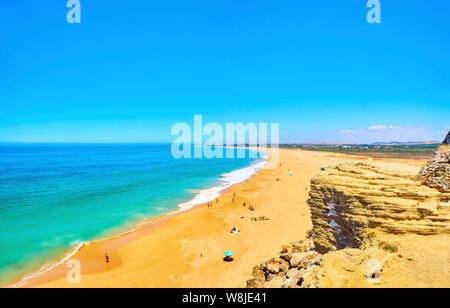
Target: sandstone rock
(292, 272)
(311, 279)
(354, 208)
(286, 283)
(304, 259)
(349, 200)
(293, 282)
(276, 266)
(296, 258)
(427, 208)
(286, 256)
(436, 173)
(348, 268)
(314, 261)
(258, 273)
(294, 278)
(303, 246)
(269, 277)
(255, 283)
(444, 205)
(276, 282)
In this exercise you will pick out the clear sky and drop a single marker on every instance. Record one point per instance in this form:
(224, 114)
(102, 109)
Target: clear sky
(134, 68)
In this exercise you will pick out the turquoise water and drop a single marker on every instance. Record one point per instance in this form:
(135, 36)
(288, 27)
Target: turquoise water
(53, 197)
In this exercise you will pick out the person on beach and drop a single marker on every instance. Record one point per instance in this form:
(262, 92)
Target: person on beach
(234, 230)
(106, 258)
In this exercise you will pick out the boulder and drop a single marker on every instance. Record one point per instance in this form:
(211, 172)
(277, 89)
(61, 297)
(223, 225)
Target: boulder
(259, 273)
(255, 283)
(314, 261)
(296, 258)
(311, 278)
(305, 259)
(286, 283)
(286, 256)
(303, 246)
(269, 277)
(276, 266)
(295, 278)
(292, 272)
(275, 283)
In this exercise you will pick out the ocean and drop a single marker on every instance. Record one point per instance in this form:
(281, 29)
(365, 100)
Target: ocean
(55, 196)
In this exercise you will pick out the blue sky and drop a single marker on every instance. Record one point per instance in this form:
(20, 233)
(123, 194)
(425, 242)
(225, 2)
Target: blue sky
(132, 69)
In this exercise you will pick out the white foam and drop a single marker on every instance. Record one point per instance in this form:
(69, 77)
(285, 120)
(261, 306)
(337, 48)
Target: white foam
(226, 181)
(44, 269)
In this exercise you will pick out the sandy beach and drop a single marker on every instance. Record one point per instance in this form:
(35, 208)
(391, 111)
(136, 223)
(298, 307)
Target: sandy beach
(186, 249)
(224, 144)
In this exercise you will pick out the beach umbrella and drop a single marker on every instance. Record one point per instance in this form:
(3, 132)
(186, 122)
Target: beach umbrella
(228, 253)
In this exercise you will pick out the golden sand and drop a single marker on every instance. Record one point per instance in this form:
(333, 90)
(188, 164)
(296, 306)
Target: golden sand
(186, 249)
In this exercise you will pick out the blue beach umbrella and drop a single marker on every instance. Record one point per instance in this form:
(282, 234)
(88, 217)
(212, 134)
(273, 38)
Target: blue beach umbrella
(228, 253)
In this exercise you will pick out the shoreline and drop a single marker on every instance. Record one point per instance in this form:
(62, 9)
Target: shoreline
(186, 249)
(146, 225)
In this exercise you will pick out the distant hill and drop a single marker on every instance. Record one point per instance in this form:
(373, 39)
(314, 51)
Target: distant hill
(405, 143)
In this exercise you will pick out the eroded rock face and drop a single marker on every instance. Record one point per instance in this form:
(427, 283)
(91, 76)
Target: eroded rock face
(349, 201)
(370, 227)
(436, 173)
(347, 268)
(368, 221)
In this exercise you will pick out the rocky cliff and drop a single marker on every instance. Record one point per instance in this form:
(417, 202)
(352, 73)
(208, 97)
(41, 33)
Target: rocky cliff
(436, 173)
(365, 221)
(350, 201)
